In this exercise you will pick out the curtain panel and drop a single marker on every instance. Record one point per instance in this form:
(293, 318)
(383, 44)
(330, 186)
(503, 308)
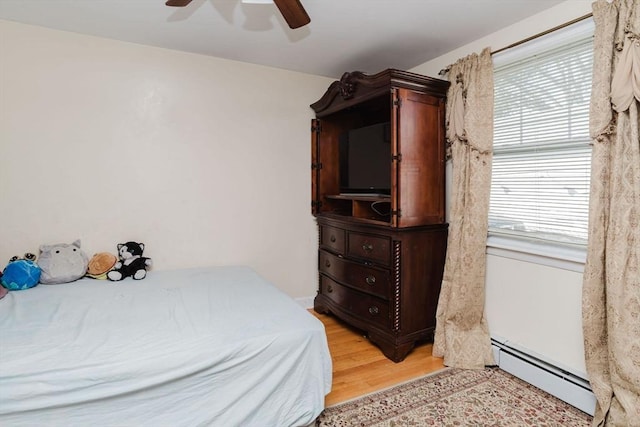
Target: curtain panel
(462, 334)
(611, 283)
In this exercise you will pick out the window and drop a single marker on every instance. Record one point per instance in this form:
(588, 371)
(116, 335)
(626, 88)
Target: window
(542, 152)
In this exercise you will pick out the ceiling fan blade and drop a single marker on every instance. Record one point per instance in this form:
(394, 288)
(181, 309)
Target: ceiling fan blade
(293, 12)
(177, 3)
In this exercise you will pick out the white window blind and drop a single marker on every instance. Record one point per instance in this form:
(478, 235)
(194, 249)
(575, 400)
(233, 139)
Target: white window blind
(542, 152)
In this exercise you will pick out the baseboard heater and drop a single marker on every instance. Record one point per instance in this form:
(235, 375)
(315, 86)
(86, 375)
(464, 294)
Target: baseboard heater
(564, 385)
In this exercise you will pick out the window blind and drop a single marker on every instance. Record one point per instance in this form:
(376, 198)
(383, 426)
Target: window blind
(542, 152)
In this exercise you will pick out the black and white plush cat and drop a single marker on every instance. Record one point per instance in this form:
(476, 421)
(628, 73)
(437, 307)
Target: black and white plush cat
(130, 262)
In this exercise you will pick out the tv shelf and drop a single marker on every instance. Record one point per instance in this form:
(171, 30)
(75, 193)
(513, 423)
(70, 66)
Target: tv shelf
(381, 258)
(376, 208)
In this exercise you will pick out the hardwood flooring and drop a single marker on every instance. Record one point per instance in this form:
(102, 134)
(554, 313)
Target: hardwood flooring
(359, 367)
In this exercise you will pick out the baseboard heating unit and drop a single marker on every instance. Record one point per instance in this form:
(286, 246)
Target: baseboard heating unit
(558, 382)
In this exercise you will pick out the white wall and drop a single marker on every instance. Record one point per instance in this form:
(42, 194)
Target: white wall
(204, 160)
(533, 306)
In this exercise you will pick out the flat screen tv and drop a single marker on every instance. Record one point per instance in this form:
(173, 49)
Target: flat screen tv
(365, 160)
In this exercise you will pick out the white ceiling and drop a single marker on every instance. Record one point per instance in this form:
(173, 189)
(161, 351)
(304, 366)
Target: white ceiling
(344, 35)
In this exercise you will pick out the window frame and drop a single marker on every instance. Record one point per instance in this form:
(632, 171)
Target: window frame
(567, 256)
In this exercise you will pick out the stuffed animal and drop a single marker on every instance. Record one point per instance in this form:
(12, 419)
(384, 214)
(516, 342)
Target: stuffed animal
(27, 256)
(21, 273)
(131, 262)
(62, 263)
(100, 264)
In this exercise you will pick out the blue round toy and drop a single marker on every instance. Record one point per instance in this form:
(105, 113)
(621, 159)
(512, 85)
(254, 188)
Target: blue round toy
(20, 274)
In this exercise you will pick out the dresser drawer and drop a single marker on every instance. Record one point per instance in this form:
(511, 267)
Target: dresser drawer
(369, 279)
(367, 307)
(332, 238)
(369, 247)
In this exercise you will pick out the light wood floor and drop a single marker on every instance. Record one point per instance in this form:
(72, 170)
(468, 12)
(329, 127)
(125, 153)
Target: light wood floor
(359, 367)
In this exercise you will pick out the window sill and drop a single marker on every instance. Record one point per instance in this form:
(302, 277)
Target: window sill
(570, 258)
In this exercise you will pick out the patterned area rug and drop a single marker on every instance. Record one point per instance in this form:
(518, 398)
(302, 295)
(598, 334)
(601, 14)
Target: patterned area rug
(457, 397)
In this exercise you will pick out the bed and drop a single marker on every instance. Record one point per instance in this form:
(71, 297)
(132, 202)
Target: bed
(213, 346)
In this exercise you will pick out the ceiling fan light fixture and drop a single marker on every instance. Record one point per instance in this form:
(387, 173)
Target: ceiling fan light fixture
(292, 10)
(177, 3)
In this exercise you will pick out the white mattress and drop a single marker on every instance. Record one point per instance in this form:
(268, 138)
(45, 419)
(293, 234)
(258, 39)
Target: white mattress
(211, 346)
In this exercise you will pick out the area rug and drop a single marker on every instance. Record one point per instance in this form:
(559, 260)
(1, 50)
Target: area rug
(456, 397)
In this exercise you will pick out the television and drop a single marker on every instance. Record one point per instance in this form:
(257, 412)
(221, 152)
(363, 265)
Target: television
(365, 160)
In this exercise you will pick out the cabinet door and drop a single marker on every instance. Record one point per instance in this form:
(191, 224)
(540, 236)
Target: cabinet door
(315, 165)
(419, 163)
(325, 176)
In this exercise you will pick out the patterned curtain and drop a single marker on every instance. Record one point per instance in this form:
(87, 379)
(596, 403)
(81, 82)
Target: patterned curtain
(611, 284)
(462, 334)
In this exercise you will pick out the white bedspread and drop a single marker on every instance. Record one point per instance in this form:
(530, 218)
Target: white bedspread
(210, 346)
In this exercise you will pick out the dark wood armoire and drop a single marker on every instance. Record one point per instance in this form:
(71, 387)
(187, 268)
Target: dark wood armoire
(378, 193)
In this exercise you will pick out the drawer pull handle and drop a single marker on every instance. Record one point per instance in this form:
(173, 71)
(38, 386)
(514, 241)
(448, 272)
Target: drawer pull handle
(327, 263)
(371, 280)
(373, 310)
(329, 289)
(332, 238)
(367, 247)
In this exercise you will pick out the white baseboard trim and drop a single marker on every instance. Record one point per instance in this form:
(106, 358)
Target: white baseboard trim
(305, 302)
(564, 385)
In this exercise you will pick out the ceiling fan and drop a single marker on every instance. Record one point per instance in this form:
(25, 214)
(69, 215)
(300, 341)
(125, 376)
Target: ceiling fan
(291, 10)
